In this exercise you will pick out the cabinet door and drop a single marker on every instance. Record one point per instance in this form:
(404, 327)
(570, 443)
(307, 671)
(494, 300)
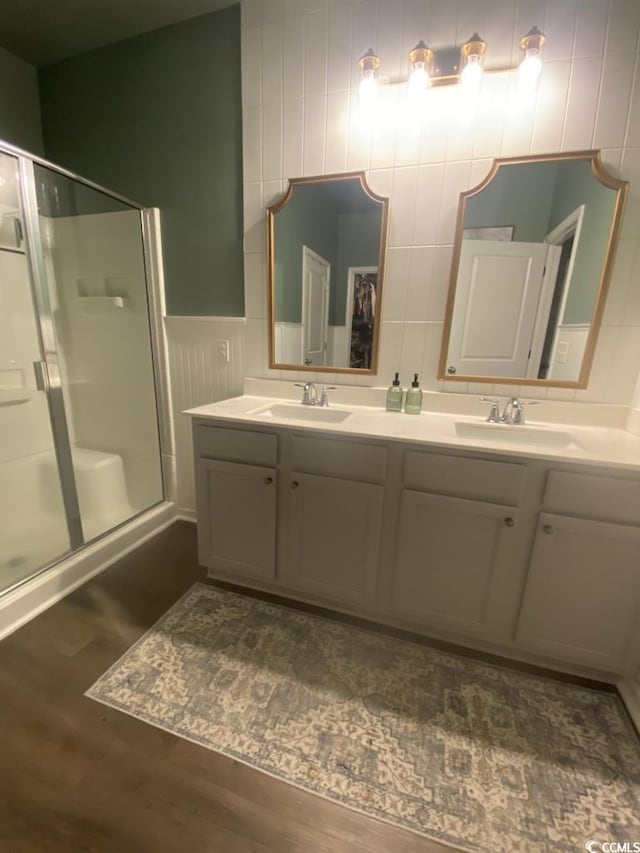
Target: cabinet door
(445, 557)
(236, 517)
(582, 598)
(333, 537)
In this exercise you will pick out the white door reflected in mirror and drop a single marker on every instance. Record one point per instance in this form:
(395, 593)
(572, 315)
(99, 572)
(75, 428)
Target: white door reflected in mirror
(532, 259)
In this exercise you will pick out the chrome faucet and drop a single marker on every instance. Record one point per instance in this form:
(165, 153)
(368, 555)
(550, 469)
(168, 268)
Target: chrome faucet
(309, 393)
(513, 412)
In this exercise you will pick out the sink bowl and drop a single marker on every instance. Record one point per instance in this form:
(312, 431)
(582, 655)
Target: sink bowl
(534, 436)
(298, 412)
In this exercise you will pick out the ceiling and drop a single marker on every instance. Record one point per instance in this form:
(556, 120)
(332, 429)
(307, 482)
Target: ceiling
(45, 31)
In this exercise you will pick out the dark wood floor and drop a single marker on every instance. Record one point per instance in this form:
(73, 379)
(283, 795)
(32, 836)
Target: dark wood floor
(77, 776)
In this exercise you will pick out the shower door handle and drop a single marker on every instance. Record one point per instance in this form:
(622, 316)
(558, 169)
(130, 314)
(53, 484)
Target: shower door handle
(42, 375)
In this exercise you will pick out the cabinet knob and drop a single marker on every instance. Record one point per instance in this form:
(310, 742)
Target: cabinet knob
(509, 522)
(268, 480)
(547, 528)
(294, 484)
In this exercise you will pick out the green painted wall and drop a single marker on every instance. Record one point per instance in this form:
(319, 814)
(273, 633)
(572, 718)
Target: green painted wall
(19, 103)
(158, 119)
(519, 195)
(577, 185)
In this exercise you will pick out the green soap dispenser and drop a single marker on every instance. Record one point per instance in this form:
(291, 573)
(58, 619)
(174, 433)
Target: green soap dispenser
(395, 396)
(413, 404)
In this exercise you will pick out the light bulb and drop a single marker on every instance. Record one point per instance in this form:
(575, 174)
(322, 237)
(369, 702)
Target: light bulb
(530, 70)
(368, 91)
(419, 79)
(471, 76)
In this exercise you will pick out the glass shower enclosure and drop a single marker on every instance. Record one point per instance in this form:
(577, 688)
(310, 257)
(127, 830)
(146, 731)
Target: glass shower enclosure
(79, 440)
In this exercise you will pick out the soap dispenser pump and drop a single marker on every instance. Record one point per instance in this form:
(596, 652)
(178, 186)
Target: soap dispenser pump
(395, 396)
(413, 405)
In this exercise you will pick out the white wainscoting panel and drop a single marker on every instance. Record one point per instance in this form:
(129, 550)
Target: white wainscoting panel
(199, 375)
(289, 343)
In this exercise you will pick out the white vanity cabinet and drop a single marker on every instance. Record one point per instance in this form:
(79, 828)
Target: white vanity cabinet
(512, 555)
(333, 518)
(457, 526)
(581, 602)
(236, 501)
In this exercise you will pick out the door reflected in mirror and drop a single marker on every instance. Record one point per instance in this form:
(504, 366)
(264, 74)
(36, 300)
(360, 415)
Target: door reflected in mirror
(533, 253)
(326, 260)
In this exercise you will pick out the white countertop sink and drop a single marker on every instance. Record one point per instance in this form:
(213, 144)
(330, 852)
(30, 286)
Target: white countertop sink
(298, 412)
(533, 436)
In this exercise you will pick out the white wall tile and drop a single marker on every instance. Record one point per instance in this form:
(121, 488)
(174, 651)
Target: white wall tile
(412, 353)
(293, 57)
(591, 27)
(340, 58)
(560, 26)
(623, 369)
(624, 25)
(255, 284)
(614, 101)
(396, 283)
(633, 132)
(315, 50)
(403, 206)
(439, 284)
(251, 67)
(337, 130)
(582, 103)
(314, 135)
(292, 138)
(272, 63)
(456, 179)
(272, 142)
(427, 209)
(552, 106)
(419, 283)
(390, 349)
(253, 218)
(252, 144)
(272, 10)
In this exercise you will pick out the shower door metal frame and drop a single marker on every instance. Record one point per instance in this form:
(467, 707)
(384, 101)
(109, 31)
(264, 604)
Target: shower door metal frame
(47, 371)
(49, 374)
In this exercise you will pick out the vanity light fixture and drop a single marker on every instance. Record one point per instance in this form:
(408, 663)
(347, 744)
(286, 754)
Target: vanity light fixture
(368, 89)
(471, 57)
(421, 59)
(449, 66)
(531, 65)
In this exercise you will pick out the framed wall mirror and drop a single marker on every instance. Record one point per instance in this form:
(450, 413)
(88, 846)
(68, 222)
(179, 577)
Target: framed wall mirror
(327, 241)
(531, 264)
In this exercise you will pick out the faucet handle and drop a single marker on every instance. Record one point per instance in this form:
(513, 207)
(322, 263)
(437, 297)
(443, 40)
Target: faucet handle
(494, 414)
(519, 416)
(324, 397)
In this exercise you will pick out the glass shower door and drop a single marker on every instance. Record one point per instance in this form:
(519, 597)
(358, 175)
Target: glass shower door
(93, 257)
(33, 518)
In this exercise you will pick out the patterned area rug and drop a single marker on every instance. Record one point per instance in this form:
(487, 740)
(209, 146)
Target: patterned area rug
(470, 754)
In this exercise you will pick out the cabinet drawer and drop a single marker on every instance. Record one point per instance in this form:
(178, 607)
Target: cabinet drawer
(259, 448)
(352, 460)
(592, 496)
(482, 479)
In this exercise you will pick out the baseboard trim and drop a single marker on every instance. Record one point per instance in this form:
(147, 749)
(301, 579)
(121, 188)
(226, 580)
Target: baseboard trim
(630, 692)
(33, 597)
(185, 514)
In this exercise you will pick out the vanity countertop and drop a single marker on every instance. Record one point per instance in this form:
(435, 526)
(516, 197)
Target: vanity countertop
(610, 447)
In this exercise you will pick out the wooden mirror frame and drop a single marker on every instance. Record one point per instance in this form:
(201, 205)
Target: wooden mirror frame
(602, 175)
(383, 201)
